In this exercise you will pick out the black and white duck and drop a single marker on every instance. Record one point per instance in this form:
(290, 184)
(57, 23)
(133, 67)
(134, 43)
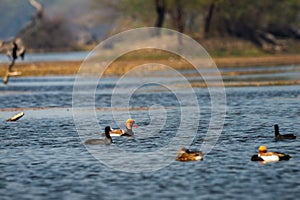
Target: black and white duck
(265, 156)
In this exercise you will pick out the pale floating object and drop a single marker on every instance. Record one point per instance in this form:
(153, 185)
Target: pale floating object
(16, 117)
(9, 74)
(14, 73)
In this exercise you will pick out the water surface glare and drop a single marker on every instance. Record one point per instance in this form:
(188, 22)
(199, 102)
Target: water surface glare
(42, 156)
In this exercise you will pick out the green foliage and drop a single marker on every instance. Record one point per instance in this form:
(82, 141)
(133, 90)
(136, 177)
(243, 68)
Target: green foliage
(138, 10)
(233, 18)
(245, 16)
(261, 22)
(230, 16)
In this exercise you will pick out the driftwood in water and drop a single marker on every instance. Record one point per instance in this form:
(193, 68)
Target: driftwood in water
(16, 117)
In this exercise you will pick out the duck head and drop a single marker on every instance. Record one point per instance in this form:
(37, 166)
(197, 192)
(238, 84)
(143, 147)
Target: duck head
(276, 128)
(130, 123)
(107, 131)
(262, 149)
(182, 151)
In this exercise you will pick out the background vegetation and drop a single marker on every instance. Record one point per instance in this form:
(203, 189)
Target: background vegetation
(223, 27)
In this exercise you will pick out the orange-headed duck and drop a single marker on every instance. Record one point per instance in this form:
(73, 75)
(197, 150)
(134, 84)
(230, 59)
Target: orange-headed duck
(130, 123)
(185, 154)
(264, 155)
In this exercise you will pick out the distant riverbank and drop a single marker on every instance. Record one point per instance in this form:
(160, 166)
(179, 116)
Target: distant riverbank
(59, 68)
(274, 60)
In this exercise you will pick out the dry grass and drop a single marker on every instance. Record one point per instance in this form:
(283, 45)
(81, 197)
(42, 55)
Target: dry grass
(258, 61)
(123, 65)
(247, 83)
(127, 62)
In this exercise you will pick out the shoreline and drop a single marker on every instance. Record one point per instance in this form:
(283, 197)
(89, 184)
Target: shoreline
(273, 60)
(71, 67)
(62, 68)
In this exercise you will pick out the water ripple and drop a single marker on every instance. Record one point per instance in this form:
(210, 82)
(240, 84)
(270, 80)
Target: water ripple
(42, 156)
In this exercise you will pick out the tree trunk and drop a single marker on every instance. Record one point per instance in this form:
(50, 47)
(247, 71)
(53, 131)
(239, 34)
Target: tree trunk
(177, 15)
(160, 6)
(160, 11)
(207, 19)
(39, 9)
(179, 12)
(36, 18)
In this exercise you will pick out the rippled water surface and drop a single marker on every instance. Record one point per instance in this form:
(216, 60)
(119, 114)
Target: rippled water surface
(66, 56)
(43, 157)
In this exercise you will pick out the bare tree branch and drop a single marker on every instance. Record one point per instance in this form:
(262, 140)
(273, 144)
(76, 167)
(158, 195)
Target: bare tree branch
(39, 8)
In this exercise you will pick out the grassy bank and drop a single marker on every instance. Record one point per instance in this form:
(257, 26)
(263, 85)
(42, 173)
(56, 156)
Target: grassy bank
(124, 64)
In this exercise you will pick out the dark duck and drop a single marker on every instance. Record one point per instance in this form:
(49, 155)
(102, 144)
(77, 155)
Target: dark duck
(107, 140)
(278, 136)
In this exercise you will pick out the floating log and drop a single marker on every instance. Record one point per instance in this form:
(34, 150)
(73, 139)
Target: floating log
(14, 73)
(16, 117)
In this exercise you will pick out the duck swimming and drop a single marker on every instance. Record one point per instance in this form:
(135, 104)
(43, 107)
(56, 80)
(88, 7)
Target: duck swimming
(185, 154)
(265, 156)
(130, 123)
(278, 136)
(107, 140)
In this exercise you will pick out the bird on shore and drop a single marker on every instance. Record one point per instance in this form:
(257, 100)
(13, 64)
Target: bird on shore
(107, 140)
(130, 123)
(265, 156)
(185, 154)
(278, 136)
(14, 49)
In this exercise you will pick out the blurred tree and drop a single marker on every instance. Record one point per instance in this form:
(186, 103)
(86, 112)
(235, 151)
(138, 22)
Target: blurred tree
(258, 21)
(177, 13)
(43, 33)
(265, 23)
(160, 6)
(208, 16)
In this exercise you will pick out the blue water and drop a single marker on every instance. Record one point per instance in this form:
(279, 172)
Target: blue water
(43, 157)
(55, 56)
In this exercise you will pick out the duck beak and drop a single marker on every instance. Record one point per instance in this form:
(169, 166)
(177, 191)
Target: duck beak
(135, 126)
